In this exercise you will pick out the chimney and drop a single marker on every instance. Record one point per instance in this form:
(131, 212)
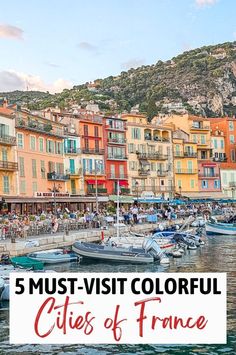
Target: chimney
(5, 103)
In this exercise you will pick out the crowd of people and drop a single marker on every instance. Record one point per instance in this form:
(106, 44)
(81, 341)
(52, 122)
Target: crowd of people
(14, 225)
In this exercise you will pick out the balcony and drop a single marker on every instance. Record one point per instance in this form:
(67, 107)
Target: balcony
(208, 175)
(222, 159)
(117, 157)
(116, 140)
(92, 151)
(72, 151)
(152, 156)
(157, 139)
(200, 128)
(8, 165)
(101, 190)
(143, 172)
(186, 171)
(93, 172)
(116, 128)
(41, 127)
(57, 177)
(162, 173)
(76, 172)
(190, 154)
(7, 140)
(117, 176)
(155, 189)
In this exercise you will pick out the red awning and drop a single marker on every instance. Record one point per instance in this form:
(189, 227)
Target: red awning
(123, 183)
(93, 182)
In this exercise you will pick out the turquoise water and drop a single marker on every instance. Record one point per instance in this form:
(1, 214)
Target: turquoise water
(219, 254)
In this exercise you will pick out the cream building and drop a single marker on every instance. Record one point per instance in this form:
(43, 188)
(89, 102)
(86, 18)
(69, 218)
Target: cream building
(150, 157)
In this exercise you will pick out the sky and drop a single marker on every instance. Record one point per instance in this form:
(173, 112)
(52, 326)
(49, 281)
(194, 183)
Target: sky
(50, 45)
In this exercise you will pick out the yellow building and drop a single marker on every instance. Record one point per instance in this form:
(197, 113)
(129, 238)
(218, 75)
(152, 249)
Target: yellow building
(185, 163)
(150, 158)
(8, 162)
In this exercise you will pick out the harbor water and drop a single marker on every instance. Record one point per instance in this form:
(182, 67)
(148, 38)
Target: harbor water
(218, 255)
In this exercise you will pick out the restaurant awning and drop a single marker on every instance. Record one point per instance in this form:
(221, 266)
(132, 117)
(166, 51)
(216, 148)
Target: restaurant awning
(122, 199)
(123, 183)
(203, 195)
(93, 182)
(151, 200)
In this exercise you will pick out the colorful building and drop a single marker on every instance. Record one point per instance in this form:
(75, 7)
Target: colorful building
(8, 161)
(199, 132)
(224, 149)
(115, 154)
(150, 159)
(185, 163)
(92, 154)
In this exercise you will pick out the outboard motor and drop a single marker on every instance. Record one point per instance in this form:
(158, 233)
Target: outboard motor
(151, 246)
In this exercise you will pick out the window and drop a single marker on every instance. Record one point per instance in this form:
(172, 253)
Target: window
(190, 166)
(136, 133)
(20, 140)
(131, 148)
(4, 154)
(58, 148)
(232, 154)
(203, 139)
(22, 166)
(179, 184)
(224, 178)
(41, 144)
(231, 125)
(86, 144)
(192, 183)
(153, 166)
(85, 130)
(231, 138)
(96, 146)
(6, 187)
(50, 146)
(222, 143)
(22, 186)
(51, 166)
(112, 170)
(215, 143)
(42, 169)
(216, 184)
(34, 186)
(34, 168)
(99, 165)
(204, 184)
(178, 166)
(96, 131)
(32, 143)
(4, 130)
(122, 171)
(88, 165)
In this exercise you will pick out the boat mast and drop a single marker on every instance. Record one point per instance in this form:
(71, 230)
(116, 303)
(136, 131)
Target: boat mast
(118, 209)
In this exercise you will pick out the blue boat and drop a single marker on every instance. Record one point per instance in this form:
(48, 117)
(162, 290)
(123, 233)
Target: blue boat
(214, 227)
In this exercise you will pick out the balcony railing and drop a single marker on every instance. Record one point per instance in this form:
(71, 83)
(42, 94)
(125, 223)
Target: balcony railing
(155, 189)
(185, 154)
(74, 172)
(100, 190)
(93, 172)
(208, 175)
(157, 139)
(222, 159)
(117, 157)
(116, 128)
(8, 165)
(35, 126)
(186, 171)
(143, 172)
(72, 150)
(8, 140)
(57, 177)
(153, 156)
(117, 140)
(162, 173)
(202, 128)
(92, 151)
(117, 176)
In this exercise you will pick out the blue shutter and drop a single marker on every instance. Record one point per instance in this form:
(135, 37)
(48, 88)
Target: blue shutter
(90, 165)
(84, 165)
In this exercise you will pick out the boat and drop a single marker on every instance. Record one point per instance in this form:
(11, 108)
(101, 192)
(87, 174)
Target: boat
(214, 227)
(111, 253)
(54, 256)
(27, 263)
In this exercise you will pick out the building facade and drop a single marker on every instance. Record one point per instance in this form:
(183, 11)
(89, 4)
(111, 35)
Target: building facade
(150, 158)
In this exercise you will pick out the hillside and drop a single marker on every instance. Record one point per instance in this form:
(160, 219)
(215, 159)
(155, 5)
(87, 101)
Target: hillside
(201, 81)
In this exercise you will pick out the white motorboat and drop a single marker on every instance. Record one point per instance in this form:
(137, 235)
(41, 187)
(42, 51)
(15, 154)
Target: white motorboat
(54, 256)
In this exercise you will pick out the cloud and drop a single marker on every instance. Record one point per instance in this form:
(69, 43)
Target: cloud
(11, 32)
(86, 46)
(11, 80)
(52, 65)
(203, 3)
(132, 63)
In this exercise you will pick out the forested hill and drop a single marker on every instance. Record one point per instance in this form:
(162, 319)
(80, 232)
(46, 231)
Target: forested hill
(201, 81)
